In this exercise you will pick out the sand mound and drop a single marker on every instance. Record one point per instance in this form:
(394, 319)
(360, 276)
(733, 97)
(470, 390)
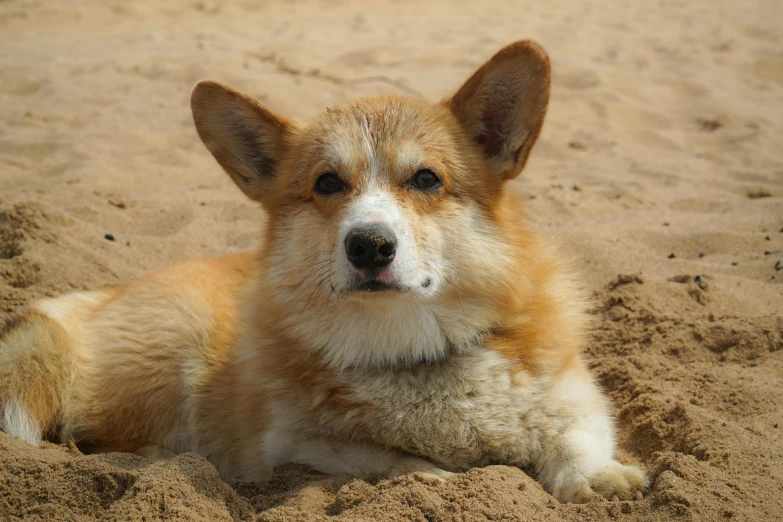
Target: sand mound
(659, 171)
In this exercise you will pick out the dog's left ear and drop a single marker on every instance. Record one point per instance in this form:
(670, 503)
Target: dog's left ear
(502, 106)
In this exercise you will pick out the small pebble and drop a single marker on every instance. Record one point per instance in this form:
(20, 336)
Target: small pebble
(734, 263)
(666, 224)
(615, 498)
(776, 425)
(639, 495)
(186, 502)
(766, 238)
(672, 256)
(110, 237)
(701, 254)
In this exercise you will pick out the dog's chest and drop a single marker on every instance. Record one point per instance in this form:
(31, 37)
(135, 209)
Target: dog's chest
(462, 412)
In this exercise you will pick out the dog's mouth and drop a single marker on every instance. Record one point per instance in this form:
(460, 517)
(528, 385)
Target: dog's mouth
(376, 286)
(374, 282)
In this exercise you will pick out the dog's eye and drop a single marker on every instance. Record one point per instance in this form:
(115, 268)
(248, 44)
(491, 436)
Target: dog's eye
(425, 179)
(328, 183)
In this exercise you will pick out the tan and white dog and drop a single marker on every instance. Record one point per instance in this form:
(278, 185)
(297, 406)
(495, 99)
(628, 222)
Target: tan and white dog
(399, 317)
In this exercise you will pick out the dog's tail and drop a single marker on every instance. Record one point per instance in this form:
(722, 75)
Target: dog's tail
(36, 369)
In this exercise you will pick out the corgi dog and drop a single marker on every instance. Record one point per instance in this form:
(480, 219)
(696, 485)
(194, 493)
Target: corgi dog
(399, 316)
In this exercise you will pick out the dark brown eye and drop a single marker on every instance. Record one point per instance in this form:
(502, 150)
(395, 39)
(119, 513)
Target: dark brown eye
(328, 183)
(425, 179)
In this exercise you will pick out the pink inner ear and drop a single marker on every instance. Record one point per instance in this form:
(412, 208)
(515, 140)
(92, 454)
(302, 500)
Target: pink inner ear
(492, 122)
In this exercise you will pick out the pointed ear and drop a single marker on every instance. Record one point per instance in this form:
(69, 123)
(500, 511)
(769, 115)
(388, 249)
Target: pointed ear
(502, 106)
(247, 139)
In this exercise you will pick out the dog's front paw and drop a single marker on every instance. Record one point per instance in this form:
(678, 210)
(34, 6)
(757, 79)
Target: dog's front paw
(613, 481)
(420, 467)
(435, 476)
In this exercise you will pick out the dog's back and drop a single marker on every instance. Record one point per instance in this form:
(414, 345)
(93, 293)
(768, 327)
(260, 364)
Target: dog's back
(121, 369)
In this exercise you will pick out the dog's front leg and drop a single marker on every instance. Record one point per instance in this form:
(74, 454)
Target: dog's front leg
(361, 460)
(335, 457)
(575, 460)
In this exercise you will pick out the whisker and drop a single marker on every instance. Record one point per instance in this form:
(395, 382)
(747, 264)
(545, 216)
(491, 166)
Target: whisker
(304, 285)
(320, 283)
(316, 273)
(318, 264)
(322, 252)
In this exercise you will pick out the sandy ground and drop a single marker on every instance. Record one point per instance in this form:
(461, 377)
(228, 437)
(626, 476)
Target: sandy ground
(659, 171)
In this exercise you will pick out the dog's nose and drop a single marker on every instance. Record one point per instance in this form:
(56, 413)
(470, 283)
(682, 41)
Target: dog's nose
(371, 246)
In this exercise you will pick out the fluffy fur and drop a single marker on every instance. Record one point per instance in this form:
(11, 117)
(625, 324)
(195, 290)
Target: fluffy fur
(471, 356)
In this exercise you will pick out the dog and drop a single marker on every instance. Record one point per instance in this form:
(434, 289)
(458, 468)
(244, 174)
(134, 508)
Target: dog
(399, 317)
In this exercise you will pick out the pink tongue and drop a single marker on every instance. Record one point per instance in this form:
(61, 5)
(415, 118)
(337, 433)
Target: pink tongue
(385, 277)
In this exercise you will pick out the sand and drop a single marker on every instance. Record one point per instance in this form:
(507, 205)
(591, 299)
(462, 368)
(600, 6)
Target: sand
(659, 172)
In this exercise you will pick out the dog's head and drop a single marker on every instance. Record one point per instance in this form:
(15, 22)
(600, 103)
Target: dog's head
(385, 202)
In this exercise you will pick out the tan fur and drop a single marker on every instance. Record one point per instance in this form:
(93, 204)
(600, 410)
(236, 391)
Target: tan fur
(265, 357)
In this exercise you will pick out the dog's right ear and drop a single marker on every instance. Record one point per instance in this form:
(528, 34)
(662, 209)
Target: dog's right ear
(502, 106)
(247, 139)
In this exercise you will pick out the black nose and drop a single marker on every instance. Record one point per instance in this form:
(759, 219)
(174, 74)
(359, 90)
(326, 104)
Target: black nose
(371, 246)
